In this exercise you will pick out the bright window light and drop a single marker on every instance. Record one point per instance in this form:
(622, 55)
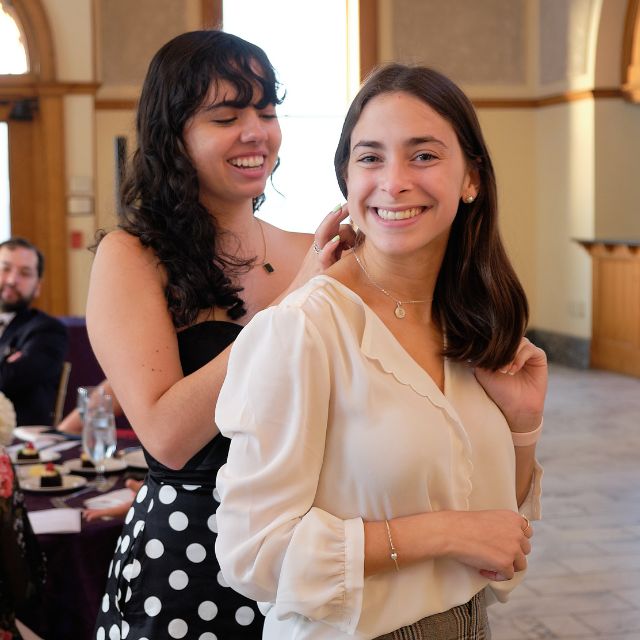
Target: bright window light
(309, 52)
(13, 56)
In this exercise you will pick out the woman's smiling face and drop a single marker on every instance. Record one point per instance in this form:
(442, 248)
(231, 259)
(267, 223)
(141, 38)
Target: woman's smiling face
(406, 174)
(233, 149)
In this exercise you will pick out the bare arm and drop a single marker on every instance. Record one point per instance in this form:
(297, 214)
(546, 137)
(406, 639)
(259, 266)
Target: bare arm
(493, 542)
(134, 339)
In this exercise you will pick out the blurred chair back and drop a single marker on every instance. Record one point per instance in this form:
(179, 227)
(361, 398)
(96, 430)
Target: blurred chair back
(85, 370)
(61, 396)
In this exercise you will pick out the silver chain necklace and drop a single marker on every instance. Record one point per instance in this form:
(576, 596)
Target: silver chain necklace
(399, 310)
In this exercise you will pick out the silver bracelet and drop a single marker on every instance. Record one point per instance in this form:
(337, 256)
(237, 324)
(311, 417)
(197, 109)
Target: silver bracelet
(394, 553)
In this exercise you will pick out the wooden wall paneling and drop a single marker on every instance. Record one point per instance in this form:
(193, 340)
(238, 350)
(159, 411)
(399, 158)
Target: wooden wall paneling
(211, 14)
(50, 228)
(22, 177)
(369, 55)
(615, 343)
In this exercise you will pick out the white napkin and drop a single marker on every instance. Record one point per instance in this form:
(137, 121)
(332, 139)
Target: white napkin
(55, 521)
(111, 499)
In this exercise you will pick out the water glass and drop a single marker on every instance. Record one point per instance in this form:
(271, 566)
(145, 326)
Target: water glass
(99, 432)
(84, 394)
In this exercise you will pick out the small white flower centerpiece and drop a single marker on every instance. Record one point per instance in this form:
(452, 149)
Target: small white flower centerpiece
(7, 419)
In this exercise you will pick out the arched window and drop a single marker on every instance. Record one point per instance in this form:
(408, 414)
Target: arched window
(13, 52)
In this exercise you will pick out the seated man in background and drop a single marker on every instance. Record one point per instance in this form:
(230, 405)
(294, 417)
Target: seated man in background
(32, 343)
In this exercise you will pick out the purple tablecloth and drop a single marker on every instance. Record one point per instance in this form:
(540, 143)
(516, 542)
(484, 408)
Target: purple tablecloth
(77, 565)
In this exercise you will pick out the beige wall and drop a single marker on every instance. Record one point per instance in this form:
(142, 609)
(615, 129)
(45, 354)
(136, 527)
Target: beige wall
(110, 124)
(71, 23)
(510, 135)
(564, 210)
(617, 204)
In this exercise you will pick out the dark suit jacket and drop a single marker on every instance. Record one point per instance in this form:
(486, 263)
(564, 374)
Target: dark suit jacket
(31, 382)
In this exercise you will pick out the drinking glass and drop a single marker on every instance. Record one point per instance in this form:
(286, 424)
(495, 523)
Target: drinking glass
(84, 393)
(99, 432)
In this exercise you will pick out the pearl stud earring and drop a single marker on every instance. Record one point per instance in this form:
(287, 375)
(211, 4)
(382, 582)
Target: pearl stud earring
(469, 199)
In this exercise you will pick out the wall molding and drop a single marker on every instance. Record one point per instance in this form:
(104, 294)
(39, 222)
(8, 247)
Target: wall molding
(129, 104)
(547, 101)
(27, 86)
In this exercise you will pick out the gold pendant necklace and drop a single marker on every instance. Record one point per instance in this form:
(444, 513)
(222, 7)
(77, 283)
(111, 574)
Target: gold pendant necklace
(267, 266)
(399, 311)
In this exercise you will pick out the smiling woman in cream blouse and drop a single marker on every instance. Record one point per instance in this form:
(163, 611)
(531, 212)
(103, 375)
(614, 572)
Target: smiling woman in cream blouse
(382, 476)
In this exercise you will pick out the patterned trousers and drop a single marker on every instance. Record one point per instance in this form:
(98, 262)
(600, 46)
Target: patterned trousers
(466, 622)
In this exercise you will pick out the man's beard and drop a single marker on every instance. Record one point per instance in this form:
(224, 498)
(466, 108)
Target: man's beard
(20, 304)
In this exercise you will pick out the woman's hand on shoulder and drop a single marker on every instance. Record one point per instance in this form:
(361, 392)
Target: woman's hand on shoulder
(329, 241)
(332, 238)
(520, 387)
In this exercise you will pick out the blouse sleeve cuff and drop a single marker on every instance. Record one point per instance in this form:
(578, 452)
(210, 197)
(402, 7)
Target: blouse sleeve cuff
(330, 589)
(531, 507)
(353, 572)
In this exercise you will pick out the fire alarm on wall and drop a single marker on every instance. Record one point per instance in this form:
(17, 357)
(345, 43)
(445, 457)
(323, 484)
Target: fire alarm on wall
(76, 240)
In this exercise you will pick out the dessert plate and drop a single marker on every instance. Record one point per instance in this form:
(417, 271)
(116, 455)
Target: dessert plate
(69, 482)
(33, 432)
(45, 456)
(36, 470)
(111, 465)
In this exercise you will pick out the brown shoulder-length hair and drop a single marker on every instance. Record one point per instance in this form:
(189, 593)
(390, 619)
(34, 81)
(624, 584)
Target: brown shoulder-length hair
(478, 298)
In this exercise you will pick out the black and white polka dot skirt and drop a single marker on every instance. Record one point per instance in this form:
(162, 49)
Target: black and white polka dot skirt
(164, 580)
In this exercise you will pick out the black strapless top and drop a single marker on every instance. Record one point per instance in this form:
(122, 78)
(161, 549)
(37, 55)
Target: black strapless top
(198, 345)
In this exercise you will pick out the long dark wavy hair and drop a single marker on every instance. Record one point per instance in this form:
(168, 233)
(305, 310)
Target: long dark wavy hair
(160, 191)
(478, 299)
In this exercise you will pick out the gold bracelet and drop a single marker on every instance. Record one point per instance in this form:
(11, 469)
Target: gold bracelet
(394, 553)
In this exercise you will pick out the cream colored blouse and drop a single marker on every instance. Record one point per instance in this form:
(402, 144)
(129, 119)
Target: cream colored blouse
(332, 424)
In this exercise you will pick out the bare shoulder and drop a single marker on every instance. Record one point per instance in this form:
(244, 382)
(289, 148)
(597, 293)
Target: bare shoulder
(126, 249)
(294, 243)
(119, 240)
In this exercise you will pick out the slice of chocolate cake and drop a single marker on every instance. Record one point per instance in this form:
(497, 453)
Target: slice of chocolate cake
(28, 452)
(50, 476)
(86, 462)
